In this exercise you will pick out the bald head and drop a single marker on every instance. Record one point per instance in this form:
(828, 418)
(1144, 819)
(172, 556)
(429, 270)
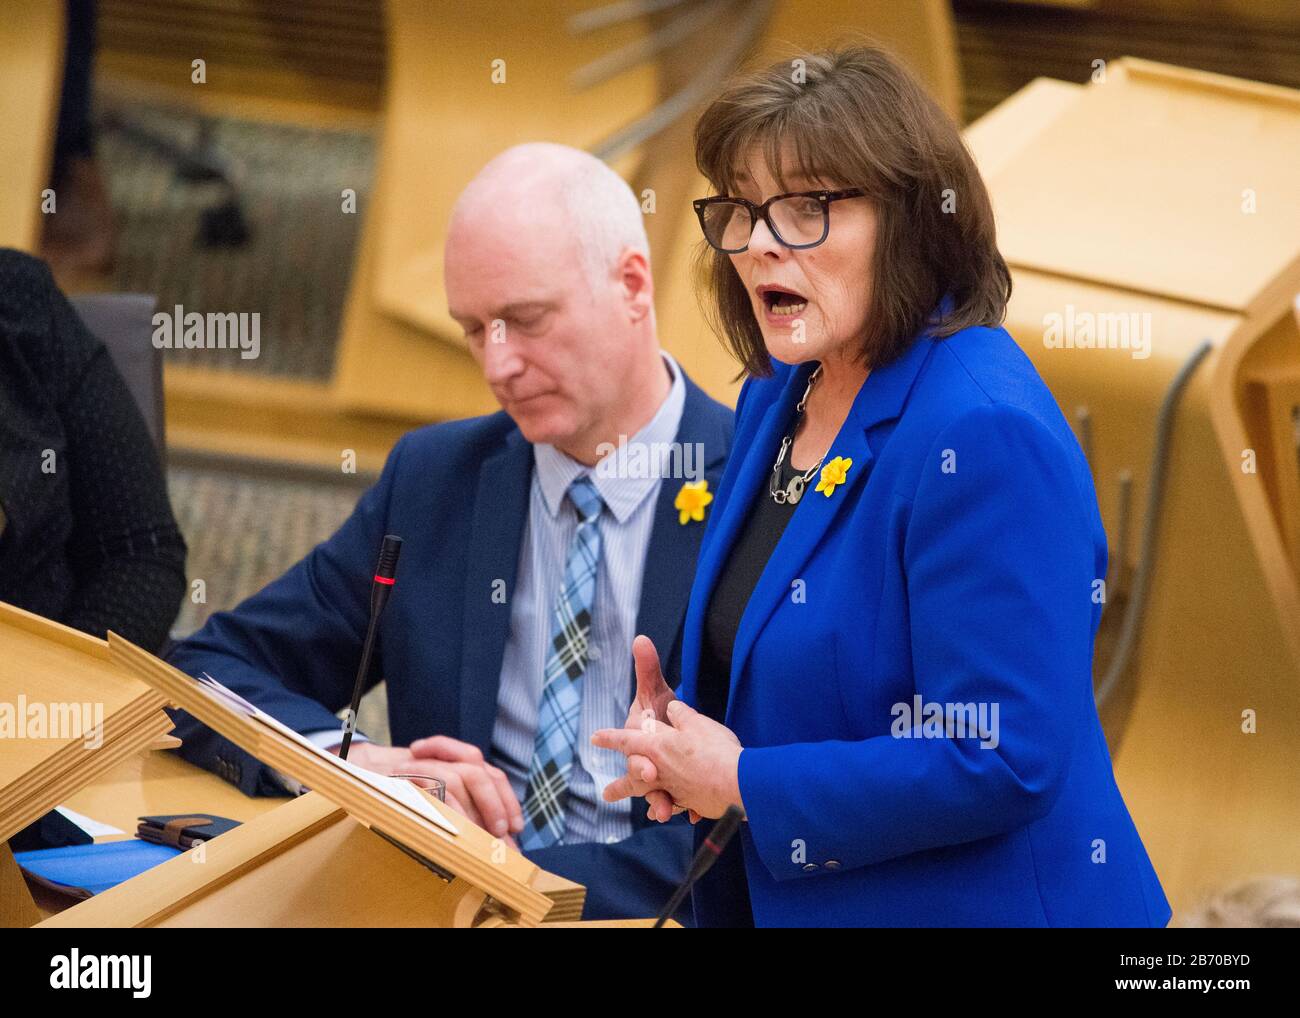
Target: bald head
(556, 198)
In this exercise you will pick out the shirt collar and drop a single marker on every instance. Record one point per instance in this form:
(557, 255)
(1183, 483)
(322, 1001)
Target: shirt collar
(621, 490)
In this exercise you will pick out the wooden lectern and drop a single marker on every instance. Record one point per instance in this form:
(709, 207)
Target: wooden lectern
(67, 716)
(358, 850)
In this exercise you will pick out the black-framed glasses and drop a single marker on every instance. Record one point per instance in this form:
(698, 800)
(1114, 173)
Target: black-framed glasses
(798, 219)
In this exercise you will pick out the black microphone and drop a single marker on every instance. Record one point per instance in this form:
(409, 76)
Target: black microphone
(380, 588)
(707, 855)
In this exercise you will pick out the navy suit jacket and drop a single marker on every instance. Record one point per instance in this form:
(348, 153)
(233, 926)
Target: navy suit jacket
(457, 493)
(956, 565)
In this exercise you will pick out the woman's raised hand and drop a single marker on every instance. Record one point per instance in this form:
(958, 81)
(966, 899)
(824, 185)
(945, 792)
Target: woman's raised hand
(675, 755)
(653, 695)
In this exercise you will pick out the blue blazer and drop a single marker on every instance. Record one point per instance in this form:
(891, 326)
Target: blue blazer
(956, 565)
(458, 495)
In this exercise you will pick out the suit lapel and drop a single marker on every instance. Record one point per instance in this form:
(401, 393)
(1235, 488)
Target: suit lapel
(808, 525)
(751, 466)
(880, 399)
(500, 510)
(666, 580)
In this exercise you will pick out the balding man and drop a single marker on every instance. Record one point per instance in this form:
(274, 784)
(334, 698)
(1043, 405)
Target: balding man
(539, 541)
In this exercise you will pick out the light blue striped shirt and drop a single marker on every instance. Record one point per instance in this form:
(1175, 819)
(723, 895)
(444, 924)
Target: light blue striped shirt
(625, 526)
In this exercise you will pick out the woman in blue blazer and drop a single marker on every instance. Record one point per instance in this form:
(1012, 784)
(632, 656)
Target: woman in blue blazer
(887, 659)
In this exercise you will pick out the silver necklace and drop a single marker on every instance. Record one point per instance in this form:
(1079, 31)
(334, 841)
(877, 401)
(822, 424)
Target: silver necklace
(793, 491)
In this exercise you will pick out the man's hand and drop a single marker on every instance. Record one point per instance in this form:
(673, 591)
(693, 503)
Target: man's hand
(380, 759)
(475, 789)
(486, 786)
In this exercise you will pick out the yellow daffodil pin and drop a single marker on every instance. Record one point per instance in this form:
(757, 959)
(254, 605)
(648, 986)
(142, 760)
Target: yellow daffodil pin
(834, 474)
(691, 500)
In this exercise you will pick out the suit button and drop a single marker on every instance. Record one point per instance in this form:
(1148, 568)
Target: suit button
(809, 867)
(832, 864)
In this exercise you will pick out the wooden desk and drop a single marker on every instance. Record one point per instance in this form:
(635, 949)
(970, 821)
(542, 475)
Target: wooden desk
(150, 784)
(161, 783)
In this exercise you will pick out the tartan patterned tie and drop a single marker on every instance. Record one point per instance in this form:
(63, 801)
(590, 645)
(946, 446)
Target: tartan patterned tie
(561, 706)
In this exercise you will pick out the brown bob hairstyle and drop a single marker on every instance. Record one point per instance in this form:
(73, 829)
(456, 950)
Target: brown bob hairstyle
(858, 118)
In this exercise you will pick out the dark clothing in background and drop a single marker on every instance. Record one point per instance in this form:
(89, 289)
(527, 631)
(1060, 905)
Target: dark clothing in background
(92, 543)
(75, 137)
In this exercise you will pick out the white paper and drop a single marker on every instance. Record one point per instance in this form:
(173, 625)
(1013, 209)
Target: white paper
(398, 789)
(92, 827)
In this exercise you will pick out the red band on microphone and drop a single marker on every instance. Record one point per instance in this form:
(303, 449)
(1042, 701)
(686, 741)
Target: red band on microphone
(385, 579)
